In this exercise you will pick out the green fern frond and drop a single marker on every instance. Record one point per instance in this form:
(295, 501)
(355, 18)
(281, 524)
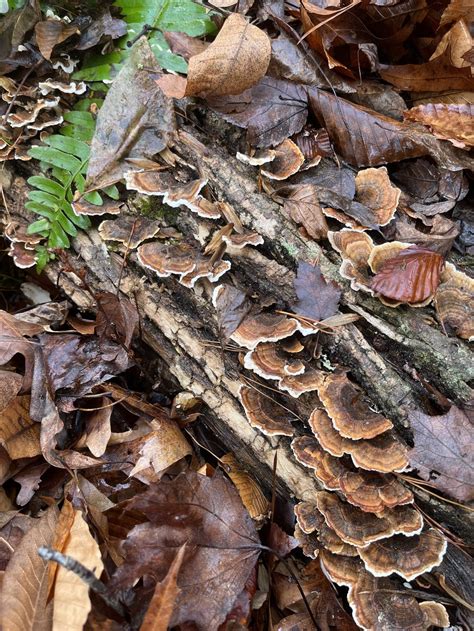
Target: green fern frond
(185, 16)
(64, 158)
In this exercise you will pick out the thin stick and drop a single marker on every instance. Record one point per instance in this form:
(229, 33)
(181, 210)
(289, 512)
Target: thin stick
(421, 485)
(67, 562)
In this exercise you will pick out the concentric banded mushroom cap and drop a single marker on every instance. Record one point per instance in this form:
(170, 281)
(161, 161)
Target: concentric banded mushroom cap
(342, 570)
(355, 248)
(454, 302)
(205, 269)
(360, 529)
(384, 453)
(308, 517)
(131, 231)
(239, 241)
(268, 361)
(374, 190)
(373, 492)
(407, 556)
(350, 413)
(167, 259)
(287, 161)
(262, 412)
(264, 327)
(309, 381)
(327, 469)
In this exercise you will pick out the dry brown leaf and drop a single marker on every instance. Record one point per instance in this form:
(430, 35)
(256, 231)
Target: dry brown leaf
(25, 583)
(303, 207)
(449, 122)
(19, 435)
(98, 429)
(52, 32)
(457, 9)
(71, 594)
(235, 61)
(161, 605)
(250, 492)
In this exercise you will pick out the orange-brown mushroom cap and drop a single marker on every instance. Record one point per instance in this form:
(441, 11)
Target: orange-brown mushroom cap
(374, 190)
(384, 453)
(342, 570)
(373, 492)
(205, 269)
(262, 412)
(355, 248)
(131, 231)
(309, 381)
(308, 517)
(360, 529)
(454, 302)
(327, 469)
(167, 259)
(264, 327)
(268, 361)
(350, 413)
(406, 556)
(240, 240)
(287, 161)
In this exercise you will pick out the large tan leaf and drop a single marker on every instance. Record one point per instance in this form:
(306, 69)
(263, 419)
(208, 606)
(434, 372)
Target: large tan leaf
(71, 595)
(161, 605)
(235, 61)
(18, 433)
(448, 122)
(25, 583)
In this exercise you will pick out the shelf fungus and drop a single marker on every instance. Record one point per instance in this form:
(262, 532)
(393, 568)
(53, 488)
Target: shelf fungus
(384, 453)
(264, 413)
(350, 413)
(240, 240)
(327, 469)
(166, 259)
(269, 361)
(309, 381)
(373, 492)
(376, 192)
(264, 327)
(131, 231)
(378, 603)
(358, 528)
(205, 268)
(287, 161)
(454, 302)
(406, 556)
(355, 248)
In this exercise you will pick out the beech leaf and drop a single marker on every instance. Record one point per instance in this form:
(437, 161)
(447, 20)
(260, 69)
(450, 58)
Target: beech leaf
(443, 445)
(317, 298)
(221, 552)
(235, 61)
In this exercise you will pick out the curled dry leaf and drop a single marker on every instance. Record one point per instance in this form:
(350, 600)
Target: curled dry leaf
(232, 306)
(116, 319)
(25, 588)
(71, 594)
(250, 492)
(235, 61)
(208, 515)
(453, 122)
(443, 452)
(50, 33)
(303, 207)
(19, 435)
(412, 276)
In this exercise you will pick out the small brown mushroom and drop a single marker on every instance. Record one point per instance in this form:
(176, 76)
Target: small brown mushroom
(264, 413)
(454, 302)
(350, 413)
(331, 541)
(309, 381)
(131, 231)
(288, 161)
(372, 492)
(384, 453)
(50, 85)
(376, 192)
(327, 468)
(264, 327)
(269, 362)
(435, 614)
(355, 248)
(167, 259)
(109, 207)
(309, 544)
(23, 256)
(205, 269)
(342, 570)
(406, 556)
(239, 241)
(261, 156)
(308, 517)
(360, 529)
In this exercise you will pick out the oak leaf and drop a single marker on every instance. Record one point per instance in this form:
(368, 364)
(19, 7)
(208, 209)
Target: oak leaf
(443, 452)
(235, 61)
(221, 552)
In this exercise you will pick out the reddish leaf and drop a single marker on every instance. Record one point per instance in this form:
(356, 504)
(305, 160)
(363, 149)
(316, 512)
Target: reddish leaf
(443, 452)
(221, 551)
(317, 298)
(270, 111)
(412, 276)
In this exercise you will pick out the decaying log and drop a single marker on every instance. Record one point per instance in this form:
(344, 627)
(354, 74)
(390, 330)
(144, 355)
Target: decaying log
(177, 323)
